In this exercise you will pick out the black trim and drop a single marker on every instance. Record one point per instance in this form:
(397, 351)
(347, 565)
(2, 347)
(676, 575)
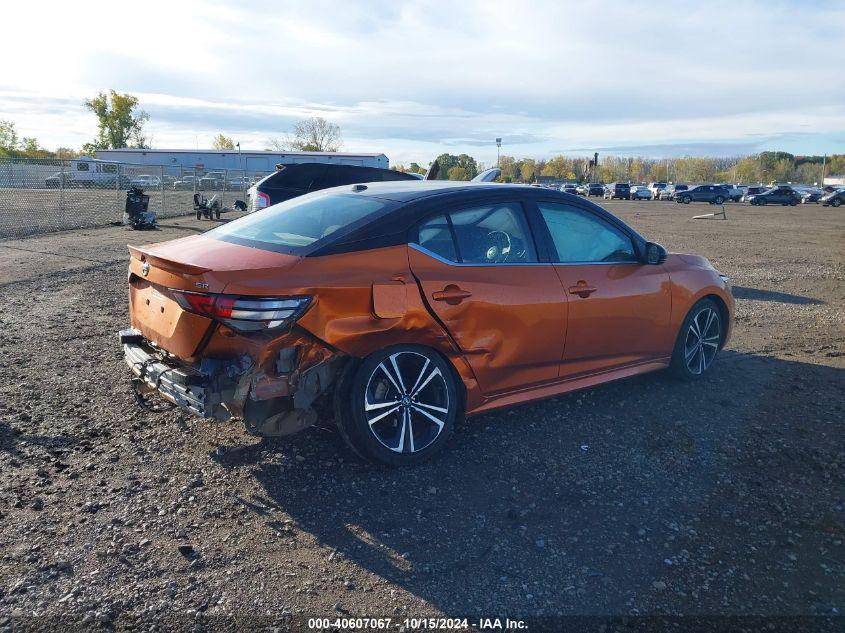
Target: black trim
(397, 224)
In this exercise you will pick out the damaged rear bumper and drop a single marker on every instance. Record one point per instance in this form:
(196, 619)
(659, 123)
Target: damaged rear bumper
(272, 401)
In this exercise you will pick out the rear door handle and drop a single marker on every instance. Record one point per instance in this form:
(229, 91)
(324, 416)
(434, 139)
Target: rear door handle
(451, 294)
(582, 289)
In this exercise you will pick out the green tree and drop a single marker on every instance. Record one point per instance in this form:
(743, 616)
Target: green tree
(416, 168)
(120, 122)
(221, 141)
(447, 161)
(8, 136)
(457, 173)
(527, 170)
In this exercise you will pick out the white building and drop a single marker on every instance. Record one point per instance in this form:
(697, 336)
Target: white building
(253, 162)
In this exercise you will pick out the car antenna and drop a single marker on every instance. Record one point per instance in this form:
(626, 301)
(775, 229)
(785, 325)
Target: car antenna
(357, 188)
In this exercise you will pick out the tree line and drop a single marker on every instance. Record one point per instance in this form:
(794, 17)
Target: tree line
(763, 167)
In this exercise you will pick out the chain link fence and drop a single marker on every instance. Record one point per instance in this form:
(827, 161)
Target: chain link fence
(43, 195)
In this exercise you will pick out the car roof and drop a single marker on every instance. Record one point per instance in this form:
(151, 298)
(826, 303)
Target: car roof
(412, 190)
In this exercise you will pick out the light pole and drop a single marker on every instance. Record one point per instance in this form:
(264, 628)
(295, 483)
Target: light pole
(498, 147)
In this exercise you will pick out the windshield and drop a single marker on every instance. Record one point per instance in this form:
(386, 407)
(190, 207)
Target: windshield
(292, 225)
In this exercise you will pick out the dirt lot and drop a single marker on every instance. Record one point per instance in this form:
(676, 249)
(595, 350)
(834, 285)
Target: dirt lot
(646, 496)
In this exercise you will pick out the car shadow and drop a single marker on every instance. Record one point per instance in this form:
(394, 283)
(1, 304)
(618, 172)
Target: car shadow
(589, 503)
(755, 294)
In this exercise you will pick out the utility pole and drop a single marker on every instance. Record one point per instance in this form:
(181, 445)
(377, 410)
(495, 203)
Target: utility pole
(498, 147)
(824, 164)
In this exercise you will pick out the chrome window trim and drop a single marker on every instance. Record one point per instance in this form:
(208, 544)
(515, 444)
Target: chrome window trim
(449, 262)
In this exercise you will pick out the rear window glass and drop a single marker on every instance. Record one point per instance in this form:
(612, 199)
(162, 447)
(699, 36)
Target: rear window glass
(295, 224)
(301, 176)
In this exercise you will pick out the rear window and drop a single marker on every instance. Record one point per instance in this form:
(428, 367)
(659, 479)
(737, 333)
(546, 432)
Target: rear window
(296, 224)
(301, 176)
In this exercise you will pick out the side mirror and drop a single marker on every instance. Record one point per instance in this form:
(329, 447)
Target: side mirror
(654, 253)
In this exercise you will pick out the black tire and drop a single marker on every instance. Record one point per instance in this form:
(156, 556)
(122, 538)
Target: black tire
(719, 200)
(692, 356)
(793, 203)
(385, 435)
(199, 215)
(835, 202)
(762, 202)
(686, 199)
(217, 214)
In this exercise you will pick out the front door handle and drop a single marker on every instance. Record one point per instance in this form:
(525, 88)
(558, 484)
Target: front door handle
(582, 289)
(451, 294)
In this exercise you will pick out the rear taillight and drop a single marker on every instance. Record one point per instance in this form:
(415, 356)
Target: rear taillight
(262, 200)
(244, 314)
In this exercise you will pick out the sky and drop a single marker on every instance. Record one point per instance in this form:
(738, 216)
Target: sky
(416, 79)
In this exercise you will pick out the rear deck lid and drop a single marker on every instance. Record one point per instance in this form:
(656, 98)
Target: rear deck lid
(193, 264)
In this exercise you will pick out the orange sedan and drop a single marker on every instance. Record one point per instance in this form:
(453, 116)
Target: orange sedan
(408, 305)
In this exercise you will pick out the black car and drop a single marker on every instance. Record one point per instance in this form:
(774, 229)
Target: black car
(835, 198)
(777, 195)
(714, 194)
(290, 181)
(620, 190)
(595, 189)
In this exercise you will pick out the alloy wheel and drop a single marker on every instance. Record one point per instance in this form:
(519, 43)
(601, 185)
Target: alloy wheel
(702, 341)
(406, 402)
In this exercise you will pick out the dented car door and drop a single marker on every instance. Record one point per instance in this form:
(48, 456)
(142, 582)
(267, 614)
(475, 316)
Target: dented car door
(480, 276)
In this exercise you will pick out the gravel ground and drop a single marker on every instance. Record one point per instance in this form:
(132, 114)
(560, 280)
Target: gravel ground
(645, 496)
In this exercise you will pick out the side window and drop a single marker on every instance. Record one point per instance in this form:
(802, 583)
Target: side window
(434, 235)
(81, 166)
(581, 237)
(493, 234)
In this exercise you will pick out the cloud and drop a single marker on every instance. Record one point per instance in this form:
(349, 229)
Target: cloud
(415, 79)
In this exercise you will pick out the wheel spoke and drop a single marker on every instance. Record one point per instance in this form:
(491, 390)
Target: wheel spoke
(437, 421)
(690, 353)
(420, 377)
(432, 407)
(701, 365)
(398, 373)
(694, 326)
(372, 406)
(710, 317)
(390, 377)
(410, 430)
(401, 447)
(434, 372)
(382, 415)
(712, 341)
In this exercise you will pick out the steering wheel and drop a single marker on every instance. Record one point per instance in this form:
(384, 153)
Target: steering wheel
(498, 247)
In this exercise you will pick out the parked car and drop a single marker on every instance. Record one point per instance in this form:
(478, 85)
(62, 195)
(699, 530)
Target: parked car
(362, 296)
(58, 180)
(595, 189)
(145, 181)
(777, 195)
(570, 189)
(620, 190)
(810, 194)
(753, 191)
(734, 191)
(713, 194)
(835, 198)
(668, 193)
(291, 181)
(185, 182)
(212, 181)
(640, 192)
(581, 189)
(656, 188)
